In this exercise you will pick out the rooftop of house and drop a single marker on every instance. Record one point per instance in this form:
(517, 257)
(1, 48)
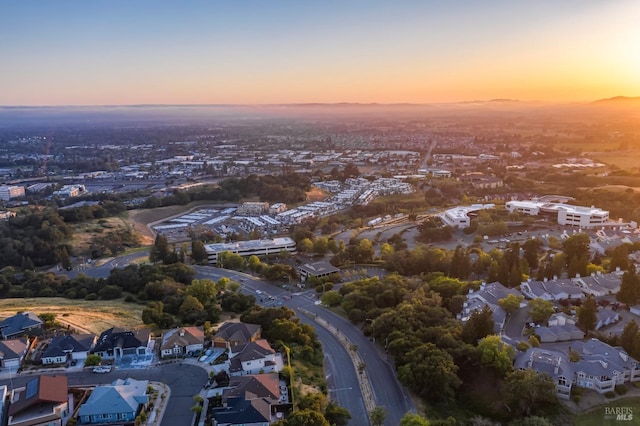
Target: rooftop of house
(62, 345)
(182, 337)
(20, 322)
(120, 337)
(40, 390)
(237, 332)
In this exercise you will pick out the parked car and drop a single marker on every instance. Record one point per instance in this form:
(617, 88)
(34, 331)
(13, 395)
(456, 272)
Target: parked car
(103, 369)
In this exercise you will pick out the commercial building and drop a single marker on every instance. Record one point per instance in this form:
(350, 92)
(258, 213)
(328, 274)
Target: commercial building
(250, 248)
(9, 192)
(458, 217)
(70, 191)
(253, 209)
(564, 214)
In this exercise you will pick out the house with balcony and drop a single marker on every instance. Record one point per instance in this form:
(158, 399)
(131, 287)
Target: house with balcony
(42, 401)
(254, 358)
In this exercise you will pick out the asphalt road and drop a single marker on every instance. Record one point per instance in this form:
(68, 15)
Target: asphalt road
(338, 366)
(386, 389)
(185, 381)
(341, 375)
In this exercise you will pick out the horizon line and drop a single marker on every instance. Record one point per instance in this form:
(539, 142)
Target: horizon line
(494, 100)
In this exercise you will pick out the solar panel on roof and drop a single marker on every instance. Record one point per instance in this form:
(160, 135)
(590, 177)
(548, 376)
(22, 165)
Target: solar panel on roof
(32, 389)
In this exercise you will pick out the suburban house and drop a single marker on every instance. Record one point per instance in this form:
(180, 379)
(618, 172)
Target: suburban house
(559, 333)
(606, 317)
(68, 347)
(599, 366)
(552, 363)
(602, 366)
(12, 352)
(43, 401)
(236, 333)
(254, 358)
(317, 270)
(488, 295)
(23, 323)
(182, 341)
(599, 284)
(243, 412)
(119, 403)
(555, 289)
(251, 400)
(117, 342)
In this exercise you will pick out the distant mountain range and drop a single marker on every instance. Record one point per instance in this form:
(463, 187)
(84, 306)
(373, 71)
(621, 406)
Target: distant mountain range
(619, 100)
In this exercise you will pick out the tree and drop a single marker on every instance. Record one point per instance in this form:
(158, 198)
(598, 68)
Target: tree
(510, 303)
(307, 418)
(161, 252)
(460, 264)
(629, 338)
(431, 372)
(531, 248)
(204, 290)
(191, 305)
(198, 251)
(587, 315)
(305, 245)
(540, 310)
(320, 245)
(576, 250)
(378, 416)
(528, 393)
(331, 298)
(412, 419)
(92, 360)
(337, 415)
(496, 354)
(479, 325)
(314, 401)
(629, 288)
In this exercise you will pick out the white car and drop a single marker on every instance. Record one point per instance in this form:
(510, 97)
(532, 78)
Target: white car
(103, 369)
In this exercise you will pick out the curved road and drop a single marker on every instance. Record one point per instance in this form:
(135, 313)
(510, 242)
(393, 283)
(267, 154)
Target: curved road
(386, 389)
(341, 374)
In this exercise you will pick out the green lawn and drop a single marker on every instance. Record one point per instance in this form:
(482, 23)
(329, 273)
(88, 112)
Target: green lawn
(604, 416)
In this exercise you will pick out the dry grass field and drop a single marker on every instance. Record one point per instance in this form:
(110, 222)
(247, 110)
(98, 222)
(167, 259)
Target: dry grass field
(317, 194)
(83, 315)
(84, 232)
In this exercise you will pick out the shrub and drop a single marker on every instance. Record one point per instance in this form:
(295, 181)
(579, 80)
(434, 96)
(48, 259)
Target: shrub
(577, 390)
(610, 394)
(91, 296)
(576, 398)
(130, 299)
(621, 389)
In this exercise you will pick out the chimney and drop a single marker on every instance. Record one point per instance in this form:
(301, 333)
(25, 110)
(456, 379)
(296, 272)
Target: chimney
(556, 367)
(555, 277)
(544, 279)
(617, 269)
(577, 275)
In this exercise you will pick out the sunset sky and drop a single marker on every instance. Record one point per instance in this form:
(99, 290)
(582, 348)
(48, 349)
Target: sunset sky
(236, 51)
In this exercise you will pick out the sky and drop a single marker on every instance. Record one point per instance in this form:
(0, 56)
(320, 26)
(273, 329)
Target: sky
(121, 52)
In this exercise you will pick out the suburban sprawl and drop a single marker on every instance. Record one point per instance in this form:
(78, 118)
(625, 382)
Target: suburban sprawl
(320, 265)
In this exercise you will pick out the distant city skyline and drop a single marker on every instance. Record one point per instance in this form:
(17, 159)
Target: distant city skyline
(256, 52)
